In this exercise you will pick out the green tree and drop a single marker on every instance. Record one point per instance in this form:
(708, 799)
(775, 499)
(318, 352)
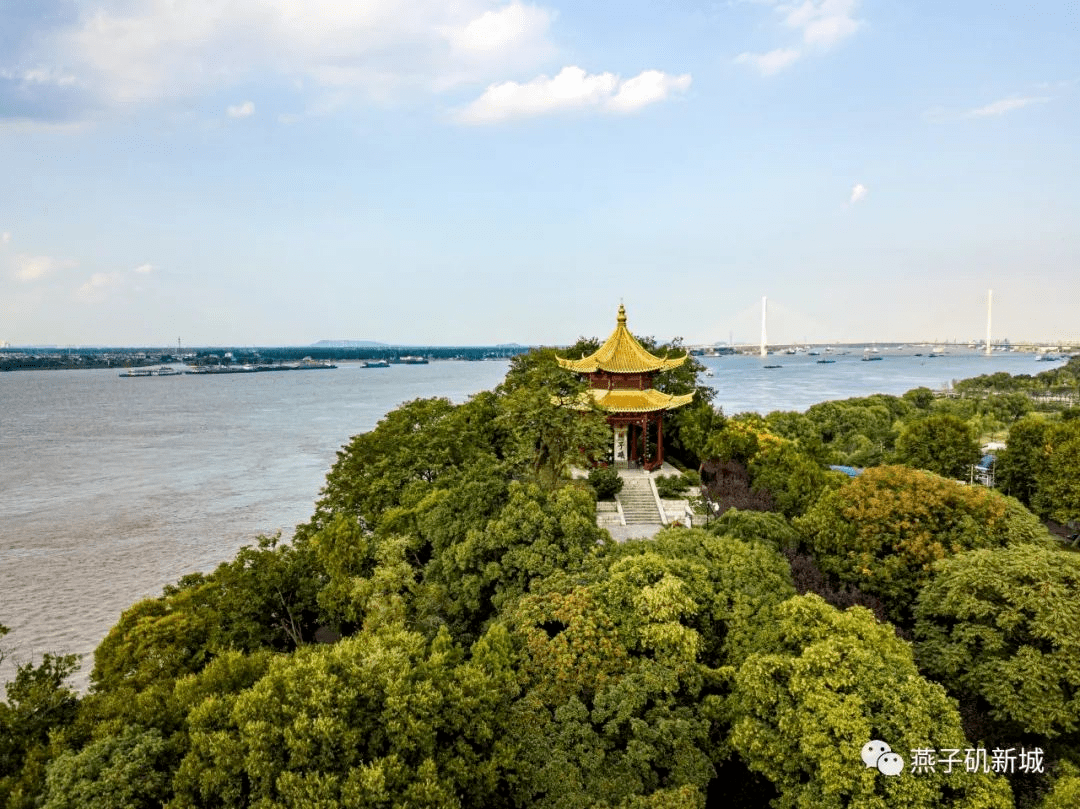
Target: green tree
(348, 554)
(536, 533)
(411, 449)
(802, 431)
(1057, 496)
(739, 439)
(920, 398)
(687, 429)
(266, 597)
(1004, 624)
(859, 432)
(127, 770)
(158, 639)
(621, 699)
(38, 703)
(1006, 408)
(942, 444)
(757, 526)
(792, 478)
(465, 548)
(733, 580)
(605, 482)
(380, 719)
(1018, 465)
(607, 714)
(817, 686)
(883, 530)
(963, 409)
(1065, 793)
(550, 421)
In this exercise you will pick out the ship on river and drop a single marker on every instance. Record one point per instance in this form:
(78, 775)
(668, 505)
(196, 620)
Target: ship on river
(164, 370)
(306, 364)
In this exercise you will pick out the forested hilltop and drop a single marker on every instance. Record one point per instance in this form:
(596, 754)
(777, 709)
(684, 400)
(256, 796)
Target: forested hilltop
(451, 628)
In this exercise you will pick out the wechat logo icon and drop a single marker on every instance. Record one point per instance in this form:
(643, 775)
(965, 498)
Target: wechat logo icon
(878, 754)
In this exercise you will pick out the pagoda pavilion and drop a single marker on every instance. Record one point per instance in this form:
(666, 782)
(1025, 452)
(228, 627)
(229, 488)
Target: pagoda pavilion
(620, 375)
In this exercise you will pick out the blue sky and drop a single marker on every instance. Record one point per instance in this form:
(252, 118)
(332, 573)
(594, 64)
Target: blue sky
(478, 171)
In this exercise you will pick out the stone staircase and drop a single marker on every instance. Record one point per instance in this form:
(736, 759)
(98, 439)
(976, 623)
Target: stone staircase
(607, 514)
(637, 501)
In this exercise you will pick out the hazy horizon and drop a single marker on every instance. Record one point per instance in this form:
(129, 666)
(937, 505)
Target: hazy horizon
(486, 171)
(974, 343)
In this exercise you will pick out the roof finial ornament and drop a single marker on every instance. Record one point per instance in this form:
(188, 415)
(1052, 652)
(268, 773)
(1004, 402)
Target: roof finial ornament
(621, 353)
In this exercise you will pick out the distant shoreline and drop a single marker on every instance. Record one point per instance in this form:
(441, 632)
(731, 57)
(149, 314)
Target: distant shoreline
(53, 359)
(67, 359)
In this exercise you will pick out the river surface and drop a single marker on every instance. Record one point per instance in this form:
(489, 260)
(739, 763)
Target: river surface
(111, 488)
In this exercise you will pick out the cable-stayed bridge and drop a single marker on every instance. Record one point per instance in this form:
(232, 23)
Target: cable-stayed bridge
(782, 326)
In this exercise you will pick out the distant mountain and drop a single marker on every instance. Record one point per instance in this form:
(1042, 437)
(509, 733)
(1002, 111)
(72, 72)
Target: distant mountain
(348, 344)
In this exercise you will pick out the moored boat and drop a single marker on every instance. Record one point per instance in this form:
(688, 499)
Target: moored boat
(164, 370)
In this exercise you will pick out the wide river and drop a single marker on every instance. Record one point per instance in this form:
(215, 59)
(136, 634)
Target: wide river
(111, 488)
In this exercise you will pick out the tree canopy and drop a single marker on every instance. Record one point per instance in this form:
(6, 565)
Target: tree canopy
(1004, 624)
(883, 530)
(818, 685)
(942, 444)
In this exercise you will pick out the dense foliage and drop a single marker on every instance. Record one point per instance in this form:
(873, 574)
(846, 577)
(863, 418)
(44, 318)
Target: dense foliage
(884, 530)
(943, 444)
(605, 482)
(1039, 467)
(451, 628)
(1004, 624)
(818, 684)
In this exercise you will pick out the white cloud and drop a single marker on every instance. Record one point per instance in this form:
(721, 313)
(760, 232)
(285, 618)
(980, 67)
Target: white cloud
(241, 110)
(646, 88)
(157, 49)
(21, 126)
(572, 88)
(496, 31)
(5, 238)
(769, 63)
(858, 193)
(33, 268)
(823, 23)
(1005, 105)
(40, 75)
(98, 283)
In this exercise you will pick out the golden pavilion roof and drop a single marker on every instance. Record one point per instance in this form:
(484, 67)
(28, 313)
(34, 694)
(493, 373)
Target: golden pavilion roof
(638, 401)
(621, 354)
